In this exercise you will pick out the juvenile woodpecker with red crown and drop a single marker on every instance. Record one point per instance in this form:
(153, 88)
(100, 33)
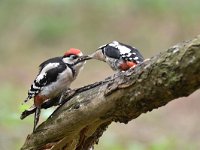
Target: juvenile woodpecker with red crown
(54, 78)
(119, 56)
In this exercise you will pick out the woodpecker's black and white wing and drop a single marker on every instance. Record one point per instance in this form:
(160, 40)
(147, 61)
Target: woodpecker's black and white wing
(120, 51)
(130, 53)
(48, 73)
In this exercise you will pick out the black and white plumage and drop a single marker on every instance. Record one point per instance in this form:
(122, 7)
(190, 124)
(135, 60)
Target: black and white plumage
(55, 76)
(119, 56)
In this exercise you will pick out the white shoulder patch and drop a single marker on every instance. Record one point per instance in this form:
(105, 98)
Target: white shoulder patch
(114, 44)
(40, 77)
(48, 67)
(123, 49)
(44, 70)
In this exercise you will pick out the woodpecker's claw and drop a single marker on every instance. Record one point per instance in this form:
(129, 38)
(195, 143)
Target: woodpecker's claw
(61, 98)
(65, 95)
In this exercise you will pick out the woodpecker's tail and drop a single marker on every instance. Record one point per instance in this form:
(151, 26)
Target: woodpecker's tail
(27, 112)
(36, 117)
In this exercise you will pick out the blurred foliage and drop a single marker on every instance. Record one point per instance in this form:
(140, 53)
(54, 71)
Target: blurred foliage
(32, 31)
(111, 141)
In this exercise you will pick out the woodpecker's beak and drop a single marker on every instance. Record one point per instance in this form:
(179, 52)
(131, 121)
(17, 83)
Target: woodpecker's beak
(81, 59)
(98, 55)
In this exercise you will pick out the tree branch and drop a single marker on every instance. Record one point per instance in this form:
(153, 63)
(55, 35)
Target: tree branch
(79, 123)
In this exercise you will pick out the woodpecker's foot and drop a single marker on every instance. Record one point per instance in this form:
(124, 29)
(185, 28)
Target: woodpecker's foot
(61, 98)
(118, 74)
(64, 96)
(114, 76)
(146, 60)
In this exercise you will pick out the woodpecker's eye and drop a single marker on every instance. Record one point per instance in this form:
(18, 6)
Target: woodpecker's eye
(73, 56)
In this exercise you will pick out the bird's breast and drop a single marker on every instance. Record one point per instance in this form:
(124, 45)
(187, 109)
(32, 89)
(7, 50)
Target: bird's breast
(62, 83)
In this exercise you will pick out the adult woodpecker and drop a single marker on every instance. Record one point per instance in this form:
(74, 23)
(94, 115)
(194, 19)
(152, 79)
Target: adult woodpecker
(119, 56)
(55, 76)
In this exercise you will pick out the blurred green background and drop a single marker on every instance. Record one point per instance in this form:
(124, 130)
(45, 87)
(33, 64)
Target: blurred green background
(32, 31)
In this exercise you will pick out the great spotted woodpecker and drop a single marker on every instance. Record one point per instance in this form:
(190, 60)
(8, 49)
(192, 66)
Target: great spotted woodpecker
(55, 76)
(119, 56)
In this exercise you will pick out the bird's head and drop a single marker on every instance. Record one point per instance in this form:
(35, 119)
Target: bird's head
(99, 54)
(71, 55)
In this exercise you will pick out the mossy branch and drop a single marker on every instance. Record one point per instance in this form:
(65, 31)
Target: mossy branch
(80, 122)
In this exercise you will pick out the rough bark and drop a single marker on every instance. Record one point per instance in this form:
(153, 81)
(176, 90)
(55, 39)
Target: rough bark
(79, 123)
